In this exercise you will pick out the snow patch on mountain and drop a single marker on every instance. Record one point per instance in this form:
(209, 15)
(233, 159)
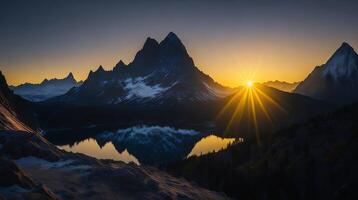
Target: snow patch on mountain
(341, 66)
(46, 89)
(336, 81)
(152, 145)
(138, 88)
(147, 131)
(343, 63)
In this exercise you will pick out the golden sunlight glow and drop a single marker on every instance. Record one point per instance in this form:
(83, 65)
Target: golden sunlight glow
(108, 151)
(210, 144)
(249, 84)
(252, 104)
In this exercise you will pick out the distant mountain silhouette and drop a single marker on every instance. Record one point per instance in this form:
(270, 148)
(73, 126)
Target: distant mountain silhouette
(46, 89)
(161, 73)
(282, 85)
(336, 81)
(163, 85)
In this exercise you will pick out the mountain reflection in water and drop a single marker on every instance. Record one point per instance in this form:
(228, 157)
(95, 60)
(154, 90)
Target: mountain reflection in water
(145, 145)
(90, 147)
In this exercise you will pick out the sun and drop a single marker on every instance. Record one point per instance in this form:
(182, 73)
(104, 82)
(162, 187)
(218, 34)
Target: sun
(249, 84)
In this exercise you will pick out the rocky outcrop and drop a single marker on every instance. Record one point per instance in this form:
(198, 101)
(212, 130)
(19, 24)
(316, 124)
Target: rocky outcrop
(15, 113)
(15, 184)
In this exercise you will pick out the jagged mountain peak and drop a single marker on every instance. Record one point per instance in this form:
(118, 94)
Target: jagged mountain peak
(336, 81)
(70, 76)
(3, 84)
(343, 63)
(119, 65)
(2, 79)
(98, 74)
(150, 43)
(14, 112)
(100, 69)
(44, 81)
(46, 89)
(161, 72)
(346, 47)
(172, 37)
(172, 42)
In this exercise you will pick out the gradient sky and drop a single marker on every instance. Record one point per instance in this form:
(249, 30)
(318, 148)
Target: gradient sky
(230, 40)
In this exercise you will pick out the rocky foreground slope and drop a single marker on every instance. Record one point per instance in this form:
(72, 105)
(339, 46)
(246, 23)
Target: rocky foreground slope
(33, 168)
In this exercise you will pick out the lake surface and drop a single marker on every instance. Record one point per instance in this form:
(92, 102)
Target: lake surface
(148, 145)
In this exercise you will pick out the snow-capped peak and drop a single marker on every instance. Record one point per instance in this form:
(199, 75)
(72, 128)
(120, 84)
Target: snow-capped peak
(343, 63)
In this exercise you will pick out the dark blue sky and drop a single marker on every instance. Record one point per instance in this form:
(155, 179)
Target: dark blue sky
(230, 40)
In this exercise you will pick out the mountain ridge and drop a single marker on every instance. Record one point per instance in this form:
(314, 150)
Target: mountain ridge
(282, 85)
(160, 73)
(336, 81)
(46, 89)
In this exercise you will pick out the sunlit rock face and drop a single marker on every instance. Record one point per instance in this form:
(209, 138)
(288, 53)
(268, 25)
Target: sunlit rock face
(15, 113)
(336, 81)
(161, 73)
(46, 89)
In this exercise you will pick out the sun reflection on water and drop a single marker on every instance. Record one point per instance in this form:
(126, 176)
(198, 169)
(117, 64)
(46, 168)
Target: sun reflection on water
(209, 144)
(91, 148)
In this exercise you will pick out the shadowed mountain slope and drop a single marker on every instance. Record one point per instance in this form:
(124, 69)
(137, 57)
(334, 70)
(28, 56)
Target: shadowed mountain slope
(282, 85)
(15, 113)
(314, 160)
(336, 81)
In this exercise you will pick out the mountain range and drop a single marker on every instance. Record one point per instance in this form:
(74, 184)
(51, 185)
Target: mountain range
(46, 89)
(163, 85)
(281, 85)
(161, 73)
(336, 81)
